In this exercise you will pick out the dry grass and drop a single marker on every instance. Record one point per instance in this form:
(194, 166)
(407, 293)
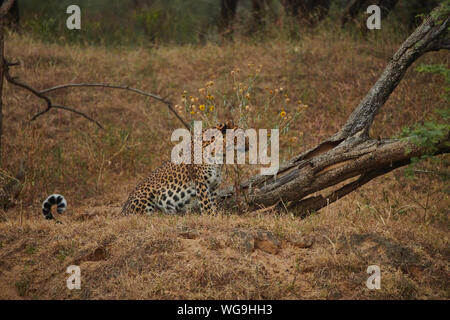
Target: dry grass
(398, 224)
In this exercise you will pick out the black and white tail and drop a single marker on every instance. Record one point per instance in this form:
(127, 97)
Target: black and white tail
(59, 200)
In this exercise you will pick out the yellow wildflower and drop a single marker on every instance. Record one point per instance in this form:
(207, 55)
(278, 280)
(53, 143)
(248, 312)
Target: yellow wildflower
(201, 107)
(211, 108)
(283, 114)
(303, 106)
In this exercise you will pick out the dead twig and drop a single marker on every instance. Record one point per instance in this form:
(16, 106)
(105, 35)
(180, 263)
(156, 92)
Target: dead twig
(263, 210)
(105, 85)
(37, 93)
(42, 94)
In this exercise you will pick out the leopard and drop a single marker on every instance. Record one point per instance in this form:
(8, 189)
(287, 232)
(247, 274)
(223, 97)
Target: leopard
(176, 188)
(53, 199)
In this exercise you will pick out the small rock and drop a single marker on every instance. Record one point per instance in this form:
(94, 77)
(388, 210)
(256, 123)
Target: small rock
(86, 216)
(245, 240)
(267, 242)
(186, 232)
(302, 241)
(213, 243)
(266, 246)
(190, 234)
(98, 254)
(181, 227)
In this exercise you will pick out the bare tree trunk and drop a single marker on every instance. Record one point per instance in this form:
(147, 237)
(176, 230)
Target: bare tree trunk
(4, 9)
(11, 17)
(350, 153)
(258, 13)
(227, 15)
(14, 17)
(350, 10)
(1, 85)
(142, 3)
(309, 10)
(355, 7)
(291, 7)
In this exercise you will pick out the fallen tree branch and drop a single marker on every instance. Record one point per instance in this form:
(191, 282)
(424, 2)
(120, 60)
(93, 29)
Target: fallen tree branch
(316, 203)
(42, 94)
(366, 160)
(350, 153)
(49, 102)
(104, 85)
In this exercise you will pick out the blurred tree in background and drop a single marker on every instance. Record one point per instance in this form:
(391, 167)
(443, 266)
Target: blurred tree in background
(410, 9)
(149, 22)
(13, 17)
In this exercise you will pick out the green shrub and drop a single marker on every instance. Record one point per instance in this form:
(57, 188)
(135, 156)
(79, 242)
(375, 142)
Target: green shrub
(431, 132)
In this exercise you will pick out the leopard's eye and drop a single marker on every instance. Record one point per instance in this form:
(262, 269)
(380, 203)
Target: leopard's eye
(223, 128)
(230, 124)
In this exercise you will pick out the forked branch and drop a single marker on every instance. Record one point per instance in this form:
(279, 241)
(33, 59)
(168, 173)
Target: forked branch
(431, 35)
(104, 85)
(50, 105)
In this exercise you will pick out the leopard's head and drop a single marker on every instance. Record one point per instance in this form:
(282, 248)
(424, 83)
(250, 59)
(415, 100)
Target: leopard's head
(238, 136)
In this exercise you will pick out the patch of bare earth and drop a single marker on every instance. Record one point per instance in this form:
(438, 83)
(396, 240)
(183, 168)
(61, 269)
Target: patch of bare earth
(227, 256)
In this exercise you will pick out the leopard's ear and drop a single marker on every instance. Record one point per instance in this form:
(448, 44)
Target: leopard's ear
(230, 124)
(222, 127)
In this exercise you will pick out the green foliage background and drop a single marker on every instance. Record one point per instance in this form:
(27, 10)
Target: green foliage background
(122, 22)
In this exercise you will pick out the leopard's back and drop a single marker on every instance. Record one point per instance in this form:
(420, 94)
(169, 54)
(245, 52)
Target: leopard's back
(170, 188)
